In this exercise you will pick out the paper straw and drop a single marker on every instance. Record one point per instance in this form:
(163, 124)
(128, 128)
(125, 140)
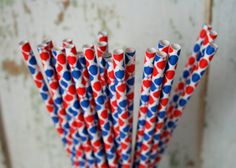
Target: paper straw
(173, 53)
(107, 132)
(118, 57)
(130, 79)
(113, 104)
(102, 36)
(88, 86)
(193, 82)
(72, 106)
(100, 51)
(49, 45)
(163, 45)
(51, 77)
(145, 88)
(190, 87)
(89, 115)
(34, 69)
(203, 40)
(206, 35)
(151, 117)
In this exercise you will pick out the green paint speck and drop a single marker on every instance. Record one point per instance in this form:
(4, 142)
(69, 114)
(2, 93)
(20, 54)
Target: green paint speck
(174, 162)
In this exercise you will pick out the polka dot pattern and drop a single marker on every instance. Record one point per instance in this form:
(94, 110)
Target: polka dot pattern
(102, 112)
(129, 78)
(85, 104)
(47, 98)
(72, 106)
(123, 114)
(189, 82)
(173, 57)
(150, 120)
(145, 89)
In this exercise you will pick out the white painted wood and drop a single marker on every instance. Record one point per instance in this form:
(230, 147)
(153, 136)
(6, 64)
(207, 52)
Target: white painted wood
(2, 158)
(220, 140)
(139, 24)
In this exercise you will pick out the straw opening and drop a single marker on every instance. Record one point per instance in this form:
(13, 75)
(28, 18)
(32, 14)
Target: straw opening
(67, 40)
(103, 33)
(164, 42)
(101, 43)
(161, 53)
(130, 50)
(118, 51)
(87, 46)
(23, 42)
(45, 41)
(151, 50)
(69, 46)
(176, 46)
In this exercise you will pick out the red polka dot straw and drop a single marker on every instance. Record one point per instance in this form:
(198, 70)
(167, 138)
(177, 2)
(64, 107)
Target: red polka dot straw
(46, 96)
(118, 57)
(154, 99)
(72, 106)
(107, 132)
(173, 57)
(89, 114)
(145, 88)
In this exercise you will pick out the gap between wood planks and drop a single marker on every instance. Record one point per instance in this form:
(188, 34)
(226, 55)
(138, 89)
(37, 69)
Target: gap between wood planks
(3, 141)
(203, 93)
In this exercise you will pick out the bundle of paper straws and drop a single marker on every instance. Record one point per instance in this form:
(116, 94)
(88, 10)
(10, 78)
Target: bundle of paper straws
(89, 95)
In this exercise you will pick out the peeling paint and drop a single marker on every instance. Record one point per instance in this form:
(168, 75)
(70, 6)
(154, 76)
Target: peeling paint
(60, 18)
(26, 8)
(191, 20)
(61, 14)
(15, 24)
(105, 14)
(174, 161)
(11, 68)
(5, 3)
(5, 29)
(175, 31)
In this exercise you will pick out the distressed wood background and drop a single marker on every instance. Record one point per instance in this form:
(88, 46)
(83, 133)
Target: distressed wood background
(205, 136)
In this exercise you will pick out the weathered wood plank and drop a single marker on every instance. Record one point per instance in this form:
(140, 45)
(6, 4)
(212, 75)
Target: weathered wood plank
(203, 92)
(5, 160)
(33, 141)
(219, 146)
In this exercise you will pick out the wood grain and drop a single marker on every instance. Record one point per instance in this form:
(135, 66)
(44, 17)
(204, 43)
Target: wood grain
(203, 92)
(3, 141)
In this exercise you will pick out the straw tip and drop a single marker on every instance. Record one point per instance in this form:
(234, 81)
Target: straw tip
(164, 42)
(67, 40)
(161, 53)
(151, 50)
(118, 51)
(130, 50)
(103, 33)
(22, 42)
(42, 45)
(87, 46)
(176, 46)
(69, 46)
(101, 43)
